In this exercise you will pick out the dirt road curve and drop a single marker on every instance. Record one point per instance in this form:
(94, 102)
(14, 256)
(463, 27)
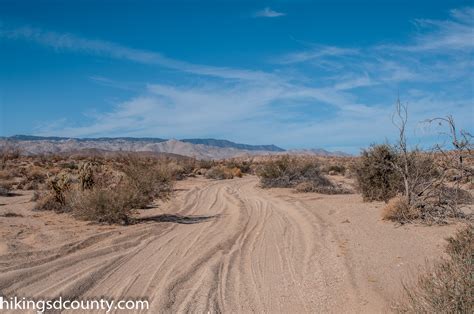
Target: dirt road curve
(228, 246)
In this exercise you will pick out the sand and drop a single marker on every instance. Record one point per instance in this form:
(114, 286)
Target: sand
(221, 246)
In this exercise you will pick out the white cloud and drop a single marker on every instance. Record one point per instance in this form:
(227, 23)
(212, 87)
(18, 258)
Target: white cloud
(316, 53)
(65, 41)
(455, 34)
(267, 12)
(335, 96)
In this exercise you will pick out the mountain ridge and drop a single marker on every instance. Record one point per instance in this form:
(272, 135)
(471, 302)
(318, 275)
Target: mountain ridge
(203, 141)
(198, 148)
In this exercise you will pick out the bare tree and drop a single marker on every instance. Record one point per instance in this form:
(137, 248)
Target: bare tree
(462, 146)
(400, 119)
(425, 174)
(452, 160)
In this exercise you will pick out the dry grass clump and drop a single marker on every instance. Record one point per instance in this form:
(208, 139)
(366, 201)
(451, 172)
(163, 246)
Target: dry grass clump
(448, 285)
(304, 174)
(397, 209)
(222, 172)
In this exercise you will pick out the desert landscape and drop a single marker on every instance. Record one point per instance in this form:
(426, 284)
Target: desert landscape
(259, 233)
(236, 156)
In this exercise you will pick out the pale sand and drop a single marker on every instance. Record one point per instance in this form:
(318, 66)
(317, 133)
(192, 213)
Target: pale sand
(221, 246)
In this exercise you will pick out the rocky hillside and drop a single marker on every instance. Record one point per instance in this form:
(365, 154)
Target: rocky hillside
(198, 148)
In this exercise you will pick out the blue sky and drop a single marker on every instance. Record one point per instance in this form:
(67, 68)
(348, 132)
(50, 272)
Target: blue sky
(292, 73)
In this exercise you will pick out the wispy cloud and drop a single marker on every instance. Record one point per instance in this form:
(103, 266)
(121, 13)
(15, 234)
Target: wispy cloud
(268, 12)
(457, 33)
(334, 95)
(65, 41)
(316, 53)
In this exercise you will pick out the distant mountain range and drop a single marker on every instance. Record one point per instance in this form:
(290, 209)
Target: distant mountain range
(198, 148)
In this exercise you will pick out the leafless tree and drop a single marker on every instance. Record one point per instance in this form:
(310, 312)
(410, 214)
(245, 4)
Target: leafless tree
(425, 174)
(400, 119)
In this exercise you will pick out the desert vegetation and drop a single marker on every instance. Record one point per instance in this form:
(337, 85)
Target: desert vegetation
(429, 186)
(98, 188)
(222, 172)
(104, 193)
(422, 185)
(302, 173)
(445, 286)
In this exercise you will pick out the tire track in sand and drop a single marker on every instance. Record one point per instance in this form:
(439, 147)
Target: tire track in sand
(259, 254)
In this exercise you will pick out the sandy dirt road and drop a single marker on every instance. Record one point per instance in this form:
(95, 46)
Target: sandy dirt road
(229, 246)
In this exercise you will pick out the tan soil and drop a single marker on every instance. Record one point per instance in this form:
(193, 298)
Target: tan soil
(221, 246)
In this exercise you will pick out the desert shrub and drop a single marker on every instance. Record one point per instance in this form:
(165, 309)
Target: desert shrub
(69, 165)
(6, 174)
(5, 188)
(107, 202)
(236, 172)
(182, 169)
(222, 173)
(375, 175)
(304, 187)
(334, 169)
(107, 192)
(33, 178)
(8, 151)
(55, 197)
(286, 172)
(308, 186)
(36, 195)
(8, 185)
(448, 285)
(47, 201)
(397, 209)
(148, 180)
(4, 191)
(36, 174)
(102, 204)
(200, 171)
(243, 166)
(205, 164)
(28, 185)
(425, 196)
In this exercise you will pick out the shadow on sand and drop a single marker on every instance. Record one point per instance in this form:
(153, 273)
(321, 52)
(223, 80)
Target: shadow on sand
(176, 219)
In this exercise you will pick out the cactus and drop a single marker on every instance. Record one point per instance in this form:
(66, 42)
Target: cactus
(86, 175)
(59, 185)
